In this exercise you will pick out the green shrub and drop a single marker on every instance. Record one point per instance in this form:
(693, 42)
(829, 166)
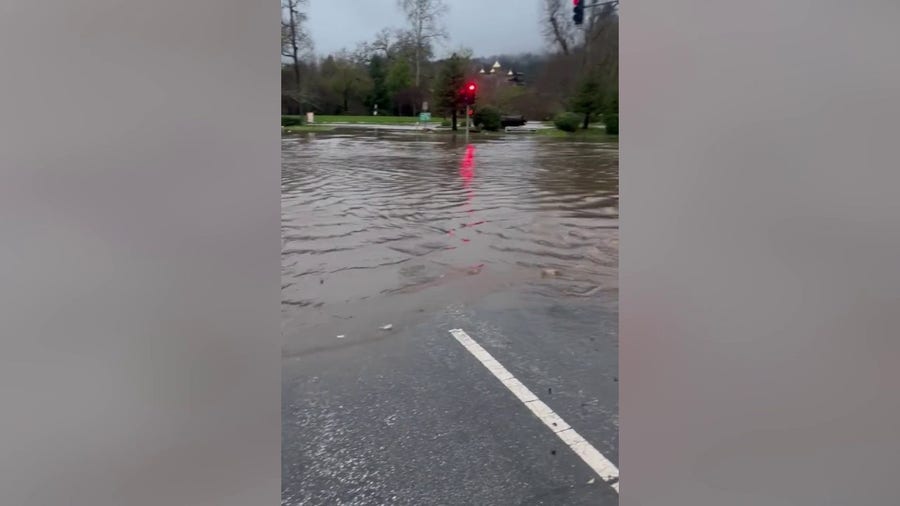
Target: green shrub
(567, 121)
(487, 118)
(446, 123)
(611, 121)
(292, 121)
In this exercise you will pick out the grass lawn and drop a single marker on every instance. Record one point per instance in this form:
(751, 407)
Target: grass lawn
(372, 120)
(305, 128)
(594, 134)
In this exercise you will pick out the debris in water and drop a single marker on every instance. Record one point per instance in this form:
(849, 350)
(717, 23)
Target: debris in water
(321, 281)
(552, 452)
(549, 390)
(591, 481)
(341, 336)
(476, 269)
(549, 273)
(387, 327)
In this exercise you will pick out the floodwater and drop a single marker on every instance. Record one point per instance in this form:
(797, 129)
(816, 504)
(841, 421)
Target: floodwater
(382, 228)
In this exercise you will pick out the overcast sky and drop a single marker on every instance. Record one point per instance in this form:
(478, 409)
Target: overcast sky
(486, 26)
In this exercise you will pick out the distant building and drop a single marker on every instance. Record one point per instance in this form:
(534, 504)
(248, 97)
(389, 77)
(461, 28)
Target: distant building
(495, 71)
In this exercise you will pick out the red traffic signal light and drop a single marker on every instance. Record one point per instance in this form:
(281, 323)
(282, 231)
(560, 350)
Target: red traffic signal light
(468, 93)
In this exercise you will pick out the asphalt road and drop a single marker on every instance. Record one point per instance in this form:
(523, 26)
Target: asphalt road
(409, 416)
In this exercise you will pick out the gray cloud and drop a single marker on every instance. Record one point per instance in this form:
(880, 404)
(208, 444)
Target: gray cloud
(486, 26)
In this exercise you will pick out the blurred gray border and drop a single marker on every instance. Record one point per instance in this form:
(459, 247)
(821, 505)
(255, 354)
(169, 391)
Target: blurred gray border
(140, 324)
(760, 253)
(139, 146)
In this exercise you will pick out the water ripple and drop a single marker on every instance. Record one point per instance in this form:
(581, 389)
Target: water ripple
(362, 212)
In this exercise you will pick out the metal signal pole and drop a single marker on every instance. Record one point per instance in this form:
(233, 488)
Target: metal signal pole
(467, 123)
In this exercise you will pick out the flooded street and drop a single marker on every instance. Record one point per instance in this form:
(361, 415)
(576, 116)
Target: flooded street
(390, 240)
(380, 226)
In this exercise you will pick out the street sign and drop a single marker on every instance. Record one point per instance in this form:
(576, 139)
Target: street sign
(424, 117)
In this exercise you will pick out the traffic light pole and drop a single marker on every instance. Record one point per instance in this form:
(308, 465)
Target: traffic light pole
(468, 96)
(467, 123)
(580, 6)
(601, 4)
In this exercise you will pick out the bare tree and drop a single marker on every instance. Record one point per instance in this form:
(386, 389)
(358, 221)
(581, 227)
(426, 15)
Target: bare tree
(384, 41)
(424, 17)
(600, 54)
(295, 40)
(559, 29)
(593, 46)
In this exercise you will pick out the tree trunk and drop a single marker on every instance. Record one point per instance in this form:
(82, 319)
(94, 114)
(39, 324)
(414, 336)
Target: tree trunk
(296, 73)
(453, 119)
(417, 65)
(587, 120)
(295, 50)
(418, 46)
(560, 38)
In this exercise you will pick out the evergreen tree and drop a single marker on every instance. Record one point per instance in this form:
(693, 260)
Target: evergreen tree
(380, 95)
(450, 82)
(399, 80)
(589, 99)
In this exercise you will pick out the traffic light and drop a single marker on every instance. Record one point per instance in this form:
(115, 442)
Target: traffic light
(578, 11)
(469, 93)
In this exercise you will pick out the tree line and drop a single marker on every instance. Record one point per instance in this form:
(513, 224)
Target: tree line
(397, 70)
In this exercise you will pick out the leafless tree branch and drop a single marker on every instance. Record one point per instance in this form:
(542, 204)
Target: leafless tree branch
(558, 30)
(424, 18)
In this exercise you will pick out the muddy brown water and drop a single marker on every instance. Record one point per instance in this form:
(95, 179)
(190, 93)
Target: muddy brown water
(382, 228)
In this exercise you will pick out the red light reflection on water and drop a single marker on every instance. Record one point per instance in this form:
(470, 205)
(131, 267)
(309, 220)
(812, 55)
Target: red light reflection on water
(467, 167)
(467, 174)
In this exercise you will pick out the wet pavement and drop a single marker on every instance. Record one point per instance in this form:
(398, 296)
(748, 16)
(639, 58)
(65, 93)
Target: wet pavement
(514, 240)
